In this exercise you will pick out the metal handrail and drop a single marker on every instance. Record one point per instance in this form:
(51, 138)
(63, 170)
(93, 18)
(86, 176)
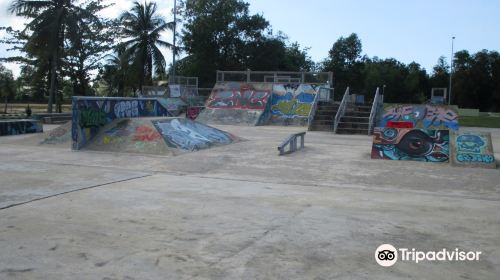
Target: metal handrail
(313, 109)
(341, 111)
(292, 142)
(373, 111)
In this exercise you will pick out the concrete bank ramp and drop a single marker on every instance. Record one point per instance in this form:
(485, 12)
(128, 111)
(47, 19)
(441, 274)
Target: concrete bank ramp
(158, 136)
(237, 103)
(60, 135)
(260, 104)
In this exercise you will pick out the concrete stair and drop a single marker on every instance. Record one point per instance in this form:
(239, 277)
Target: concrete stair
(324, 116)
(356, 120)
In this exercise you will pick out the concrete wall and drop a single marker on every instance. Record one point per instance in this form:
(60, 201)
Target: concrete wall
(472, 149)
(291, 104)
(410, 144)
(421, 115)
(20, 126)
(259, 104)
(90, 114)
(236, 103)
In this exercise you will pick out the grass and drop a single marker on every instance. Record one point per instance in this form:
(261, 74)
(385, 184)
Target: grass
(492, 122)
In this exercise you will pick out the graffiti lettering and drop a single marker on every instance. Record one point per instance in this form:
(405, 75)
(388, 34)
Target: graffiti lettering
(246, 97)
(127, 109)
(421, 116)
(89, 117)
(475, 158)
(291, 108)
(146, 134)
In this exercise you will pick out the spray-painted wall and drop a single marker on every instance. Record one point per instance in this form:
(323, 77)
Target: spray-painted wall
(422, 116)
(259, 104)
(188, 135)
(472, 149)
(21, 126)
(410, 144)
(291, 104)
(91, 113)
(236, 103)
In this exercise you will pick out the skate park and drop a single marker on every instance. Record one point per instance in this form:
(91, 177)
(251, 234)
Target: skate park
(127, 190)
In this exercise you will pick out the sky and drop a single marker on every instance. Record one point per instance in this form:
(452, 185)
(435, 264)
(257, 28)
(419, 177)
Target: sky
(408, 31)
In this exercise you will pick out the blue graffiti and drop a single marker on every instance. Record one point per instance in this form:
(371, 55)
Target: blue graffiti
(470, 143)
(189, 135)
(85, 126)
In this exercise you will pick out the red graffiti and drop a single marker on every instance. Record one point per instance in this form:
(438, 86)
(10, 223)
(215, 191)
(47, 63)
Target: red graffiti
(244, 98)
(193, 112)
(146, 134)
(399, 124)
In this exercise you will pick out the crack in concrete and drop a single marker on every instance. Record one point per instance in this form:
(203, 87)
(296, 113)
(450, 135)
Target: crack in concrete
(71, 191)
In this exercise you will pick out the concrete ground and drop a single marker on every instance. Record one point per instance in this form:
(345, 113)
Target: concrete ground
(240, 212)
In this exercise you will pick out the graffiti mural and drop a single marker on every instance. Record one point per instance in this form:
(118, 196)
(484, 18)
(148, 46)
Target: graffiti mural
(90, 114)
(422, 116)
(291, 101)
(61, 134)
(238, 96)
(188, 135)
(472, 149)
(146, 134)
(410, 144)
(291, 104)
(236, 103)
(22, 126)
(193, 112)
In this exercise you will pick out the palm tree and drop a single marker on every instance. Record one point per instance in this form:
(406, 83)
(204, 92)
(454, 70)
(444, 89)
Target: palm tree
(141, 28)
(52, 22)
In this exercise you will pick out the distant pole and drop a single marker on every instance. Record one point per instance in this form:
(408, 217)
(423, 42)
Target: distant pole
(451, 70)
(173, 50)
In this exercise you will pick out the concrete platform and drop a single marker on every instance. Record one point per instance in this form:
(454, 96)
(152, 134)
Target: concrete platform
(241, 212)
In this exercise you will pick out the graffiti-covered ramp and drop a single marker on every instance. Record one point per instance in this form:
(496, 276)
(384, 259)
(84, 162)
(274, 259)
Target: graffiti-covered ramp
(158, 136)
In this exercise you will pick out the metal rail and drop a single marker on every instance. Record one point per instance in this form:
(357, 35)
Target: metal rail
(313, 109)
(291, 141)
(341, 111)
(377, 100)
(250, 76)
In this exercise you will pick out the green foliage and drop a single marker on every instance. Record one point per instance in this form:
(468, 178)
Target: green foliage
(223, 35)
(7, 85)
(141, 29)
(482, 121)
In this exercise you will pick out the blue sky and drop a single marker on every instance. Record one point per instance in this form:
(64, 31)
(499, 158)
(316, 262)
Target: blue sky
(419, 30)
(409, 31)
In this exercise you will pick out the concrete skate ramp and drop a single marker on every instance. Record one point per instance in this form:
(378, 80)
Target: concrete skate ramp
(421, 115)
(90, 114)
(20, 126)
(291, 104)
(58, 135)
(158, 136)
(410, 144)
(472, 149)
(237, 103)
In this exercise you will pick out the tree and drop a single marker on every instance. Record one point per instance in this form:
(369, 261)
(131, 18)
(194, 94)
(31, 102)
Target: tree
(216, 36)
(52, 22)
(344, 60)
(142, 27)
(7, 85)
(87, 44)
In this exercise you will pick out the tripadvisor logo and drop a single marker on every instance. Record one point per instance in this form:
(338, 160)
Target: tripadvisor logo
(388, 255)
